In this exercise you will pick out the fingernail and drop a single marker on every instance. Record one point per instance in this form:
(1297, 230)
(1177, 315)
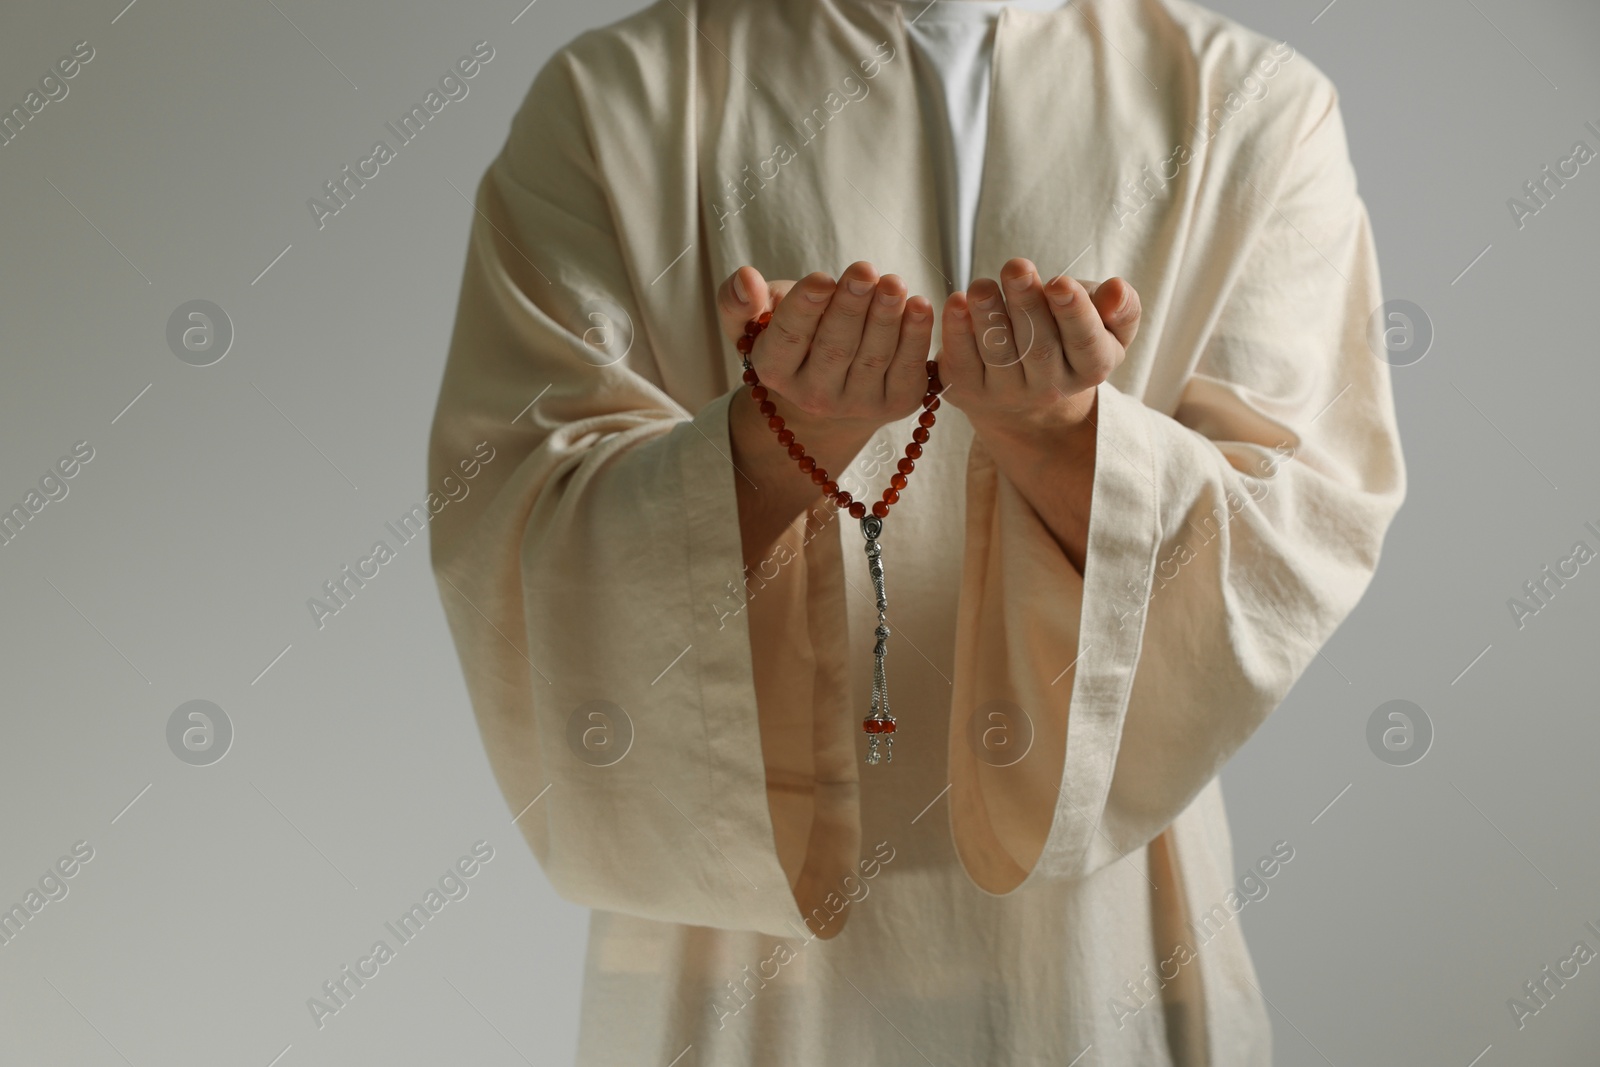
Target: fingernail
(985, 301)
(1062, 297)
(816, 296)
(739, 290)
(1020, 284)
(959, 314)
(859, 286)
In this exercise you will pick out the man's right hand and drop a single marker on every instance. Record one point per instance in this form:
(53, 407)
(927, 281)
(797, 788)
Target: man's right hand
(852, 353)
(839, 360)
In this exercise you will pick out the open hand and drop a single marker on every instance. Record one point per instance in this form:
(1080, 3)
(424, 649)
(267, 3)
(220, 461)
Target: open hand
(1023, 356)
(848, 356)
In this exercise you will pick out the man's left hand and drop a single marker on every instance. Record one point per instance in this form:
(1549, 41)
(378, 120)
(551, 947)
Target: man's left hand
(1021, 356)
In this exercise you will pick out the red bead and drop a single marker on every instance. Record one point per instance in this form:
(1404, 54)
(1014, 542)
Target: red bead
(843, 499)
(797, 450)
(785, 437)
(829, 487)
(891, 496)
(745, 344)
(819, 477)
(886, 726)
(858, 510)
(872, 726)
(775, 424)
(927, 418)
(758, 392)
(906, 466)
(768, 408)
(807, 464)
(764, 318)
(913, 451)
(881, 510)
(931, 402)
(933, 369)
(898, 481)
(750, 377)
(920, 435)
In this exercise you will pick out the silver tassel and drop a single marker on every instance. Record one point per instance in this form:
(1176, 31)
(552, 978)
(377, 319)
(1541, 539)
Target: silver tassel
(879, 724)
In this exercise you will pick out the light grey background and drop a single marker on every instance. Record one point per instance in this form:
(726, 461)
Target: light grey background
(177, 568)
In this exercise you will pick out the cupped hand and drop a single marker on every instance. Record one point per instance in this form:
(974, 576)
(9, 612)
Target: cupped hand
(1022, 355)
(846, 356)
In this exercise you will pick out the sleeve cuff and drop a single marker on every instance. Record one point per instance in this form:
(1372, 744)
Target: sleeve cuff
(733, 706)
(1055, 652)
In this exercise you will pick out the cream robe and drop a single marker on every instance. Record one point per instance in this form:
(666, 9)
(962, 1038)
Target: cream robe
(1248, 465)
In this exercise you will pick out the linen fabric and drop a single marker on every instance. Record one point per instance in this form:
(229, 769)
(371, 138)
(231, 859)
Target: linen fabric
(1046, 866)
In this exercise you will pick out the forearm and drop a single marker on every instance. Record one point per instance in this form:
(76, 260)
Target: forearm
(772, 491)
(1052, 468)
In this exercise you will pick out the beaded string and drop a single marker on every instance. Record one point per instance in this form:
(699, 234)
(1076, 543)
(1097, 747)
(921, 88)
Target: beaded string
(879, 725)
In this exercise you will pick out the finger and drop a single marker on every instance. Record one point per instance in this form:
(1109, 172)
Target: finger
(960, 365)
(1037, 339)
(822, 375)
(782, 346)
(880, 336)
(1120, 310)
(907, 377)
(995, 337)
(740, 298)
(1091, 351)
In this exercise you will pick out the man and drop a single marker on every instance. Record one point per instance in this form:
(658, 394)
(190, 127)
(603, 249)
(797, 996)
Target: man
(1145, 505)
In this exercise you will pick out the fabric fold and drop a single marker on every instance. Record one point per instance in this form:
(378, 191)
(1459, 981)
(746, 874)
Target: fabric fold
(611, 678)
(1227, 541)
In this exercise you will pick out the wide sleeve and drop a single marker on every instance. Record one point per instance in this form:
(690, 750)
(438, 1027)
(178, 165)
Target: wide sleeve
(1227, 541)
(589, 558)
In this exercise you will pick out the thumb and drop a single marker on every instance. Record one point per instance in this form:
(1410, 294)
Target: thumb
(741, 298)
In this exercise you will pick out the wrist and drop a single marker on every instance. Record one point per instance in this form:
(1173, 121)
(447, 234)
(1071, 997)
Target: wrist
(1066, 424)
(831, 441)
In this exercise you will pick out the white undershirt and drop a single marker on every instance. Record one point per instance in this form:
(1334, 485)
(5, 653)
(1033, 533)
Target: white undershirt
(954, 45)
